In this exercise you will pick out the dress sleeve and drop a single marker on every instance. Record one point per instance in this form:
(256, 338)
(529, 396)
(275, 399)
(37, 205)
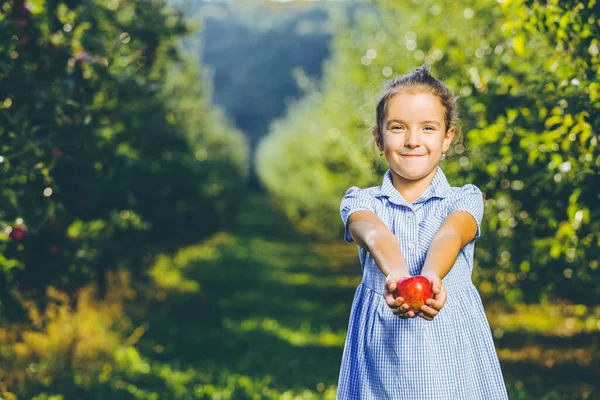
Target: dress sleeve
(470, 199)
(356, 199)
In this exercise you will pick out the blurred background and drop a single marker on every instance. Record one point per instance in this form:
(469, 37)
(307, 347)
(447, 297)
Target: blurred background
(171, 172)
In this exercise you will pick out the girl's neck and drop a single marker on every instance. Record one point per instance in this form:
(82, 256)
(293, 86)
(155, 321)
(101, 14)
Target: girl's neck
(411, 190)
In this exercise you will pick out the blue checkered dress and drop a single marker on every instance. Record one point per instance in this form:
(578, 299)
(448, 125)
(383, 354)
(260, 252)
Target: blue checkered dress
(385, 357)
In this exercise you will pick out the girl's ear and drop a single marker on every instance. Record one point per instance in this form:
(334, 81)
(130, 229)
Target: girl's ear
(448, 139)
(375, 132)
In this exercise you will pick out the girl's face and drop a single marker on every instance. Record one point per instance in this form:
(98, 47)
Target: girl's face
(414, 135)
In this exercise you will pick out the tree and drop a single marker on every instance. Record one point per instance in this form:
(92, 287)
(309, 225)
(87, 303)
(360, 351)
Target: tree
(101, 166)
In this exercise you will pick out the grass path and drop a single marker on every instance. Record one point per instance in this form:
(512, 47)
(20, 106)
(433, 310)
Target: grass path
(260, 313)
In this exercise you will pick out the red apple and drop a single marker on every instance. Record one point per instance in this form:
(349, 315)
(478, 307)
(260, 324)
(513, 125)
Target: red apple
(18, 233)
(56, 151)
(22, 22)
(54, 248)
(415, 291)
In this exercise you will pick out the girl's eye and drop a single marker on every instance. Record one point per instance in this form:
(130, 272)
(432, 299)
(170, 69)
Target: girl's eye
(429, 128)
(396, 127)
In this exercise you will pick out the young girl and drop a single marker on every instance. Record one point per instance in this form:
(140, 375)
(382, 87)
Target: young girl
(415, 223)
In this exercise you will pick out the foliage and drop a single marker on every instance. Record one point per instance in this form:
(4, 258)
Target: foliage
(527, 76)
(110, 150)
(65, 344)
(538, 159)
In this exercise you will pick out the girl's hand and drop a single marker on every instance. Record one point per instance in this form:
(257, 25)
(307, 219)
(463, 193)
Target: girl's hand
(398, 306)
(433, 306)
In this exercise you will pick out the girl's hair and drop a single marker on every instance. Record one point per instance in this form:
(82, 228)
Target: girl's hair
(420, 80)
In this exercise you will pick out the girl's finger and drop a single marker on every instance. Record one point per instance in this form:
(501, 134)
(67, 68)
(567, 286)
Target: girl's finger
(397, 311)
(430, 312)
(391, 285)
(393, 301)
(389, 300)
(442, 297)
(425, 316)
(434, 304)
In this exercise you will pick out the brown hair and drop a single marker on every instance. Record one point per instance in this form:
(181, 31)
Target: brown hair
(420, 80)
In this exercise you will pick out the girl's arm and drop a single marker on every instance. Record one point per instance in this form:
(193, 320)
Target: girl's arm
(458, 230)
(370, 233)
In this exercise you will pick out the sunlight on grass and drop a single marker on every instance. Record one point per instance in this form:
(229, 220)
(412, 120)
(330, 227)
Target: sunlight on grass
(229, 385)
(296, 279)
(339, 254)
(167, 275)
(206, 251)
(168, 272)
(545, 319)
(549, 357)
(302, 337)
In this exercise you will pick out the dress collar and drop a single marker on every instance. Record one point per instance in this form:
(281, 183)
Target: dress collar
(439, 187)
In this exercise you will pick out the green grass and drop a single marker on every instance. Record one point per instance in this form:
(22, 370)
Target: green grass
(261, 313)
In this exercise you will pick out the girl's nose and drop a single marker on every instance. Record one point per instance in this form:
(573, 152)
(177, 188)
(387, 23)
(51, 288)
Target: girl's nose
(412, 139)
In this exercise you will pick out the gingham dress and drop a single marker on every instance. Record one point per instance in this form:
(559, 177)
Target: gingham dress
(385, 357)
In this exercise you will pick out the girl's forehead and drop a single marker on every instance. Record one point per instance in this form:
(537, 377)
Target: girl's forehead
(415, 104)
